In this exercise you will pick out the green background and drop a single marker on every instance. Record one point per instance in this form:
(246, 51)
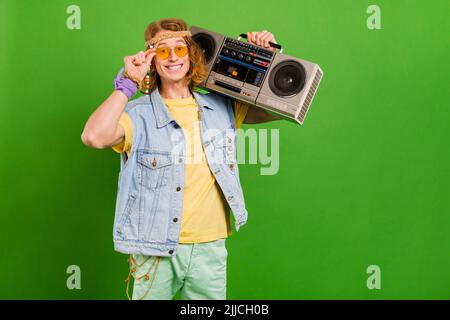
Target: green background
(364, 182)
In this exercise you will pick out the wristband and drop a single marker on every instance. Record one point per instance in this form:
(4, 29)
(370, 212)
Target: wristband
(126, 85)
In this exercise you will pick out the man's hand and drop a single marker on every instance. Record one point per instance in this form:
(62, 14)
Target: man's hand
(255, 114)
(262, 39)
(138, 64)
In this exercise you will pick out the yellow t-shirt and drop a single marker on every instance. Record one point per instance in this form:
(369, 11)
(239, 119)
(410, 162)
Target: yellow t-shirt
(206, 215)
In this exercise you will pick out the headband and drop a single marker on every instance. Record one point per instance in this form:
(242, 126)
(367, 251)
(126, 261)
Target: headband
(151, 43)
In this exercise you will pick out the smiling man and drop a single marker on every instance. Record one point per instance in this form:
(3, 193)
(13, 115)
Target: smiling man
(173, 209)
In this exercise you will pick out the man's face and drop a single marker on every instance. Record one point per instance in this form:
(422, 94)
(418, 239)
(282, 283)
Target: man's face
(174, 68)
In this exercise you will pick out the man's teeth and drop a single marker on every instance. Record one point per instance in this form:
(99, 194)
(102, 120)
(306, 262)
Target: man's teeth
(174, 67)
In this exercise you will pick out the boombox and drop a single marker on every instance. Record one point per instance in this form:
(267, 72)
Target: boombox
(270, 80)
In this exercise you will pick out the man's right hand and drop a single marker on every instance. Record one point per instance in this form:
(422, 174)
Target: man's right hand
(137, 65)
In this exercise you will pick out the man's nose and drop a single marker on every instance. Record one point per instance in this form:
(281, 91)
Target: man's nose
(172, 56)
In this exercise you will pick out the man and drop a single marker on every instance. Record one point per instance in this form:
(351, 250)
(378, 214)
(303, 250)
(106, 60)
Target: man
(173, 207)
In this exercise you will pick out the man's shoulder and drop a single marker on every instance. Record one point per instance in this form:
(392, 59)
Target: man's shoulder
(215, 98)
(132, 105)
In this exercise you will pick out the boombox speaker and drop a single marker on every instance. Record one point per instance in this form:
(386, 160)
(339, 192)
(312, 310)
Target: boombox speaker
(276, 82)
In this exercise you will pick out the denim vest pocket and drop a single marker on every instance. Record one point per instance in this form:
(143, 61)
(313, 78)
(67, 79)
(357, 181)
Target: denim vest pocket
(225, 149)
(126, 228)
(153, 168)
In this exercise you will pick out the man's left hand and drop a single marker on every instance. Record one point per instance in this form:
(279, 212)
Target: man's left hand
(262, 39)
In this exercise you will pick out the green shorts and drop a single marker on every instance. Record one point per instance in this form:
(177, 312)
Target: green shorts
(199, 270)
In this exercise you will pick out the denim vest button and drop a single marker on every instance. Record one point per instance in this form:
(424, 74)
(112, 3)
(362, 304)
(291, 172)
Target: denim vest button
(178, 188)
(175, 219)
(170, 251)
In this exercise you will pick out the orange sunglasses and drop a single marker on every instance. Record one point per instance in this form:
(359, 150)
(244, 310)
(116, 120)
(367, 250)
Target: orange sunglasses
(162, 53)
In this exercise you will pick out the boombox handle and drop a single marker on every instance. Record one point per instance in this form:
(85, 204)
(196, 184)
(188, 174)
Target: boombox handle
(275, 45)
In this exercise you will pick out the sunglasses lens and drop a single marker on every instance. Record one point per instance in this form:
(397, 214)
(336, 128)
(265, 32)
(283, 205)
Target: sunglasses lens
(181, 51)
(162, 53)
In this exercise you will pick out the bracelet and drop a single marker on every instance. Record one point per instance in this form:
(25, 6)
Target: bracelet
(126, 85)
(126, 75)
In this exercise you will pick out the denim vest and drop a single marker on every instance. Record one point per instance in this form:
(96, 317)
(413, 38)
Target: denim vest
(149, 199)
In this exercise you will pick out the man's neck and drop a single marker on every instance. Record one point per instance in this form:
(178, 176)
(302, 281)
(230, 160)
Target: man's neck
(175, 90)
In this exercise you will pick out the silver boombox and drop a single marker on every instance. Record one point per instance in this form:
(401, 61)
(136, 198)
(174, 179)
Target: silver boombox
(271, 80)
